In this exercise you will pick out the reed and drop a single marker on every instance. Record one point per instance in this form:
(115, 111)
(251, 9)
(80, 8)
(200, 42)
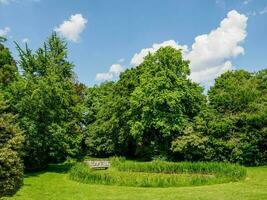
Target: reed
(159, 174)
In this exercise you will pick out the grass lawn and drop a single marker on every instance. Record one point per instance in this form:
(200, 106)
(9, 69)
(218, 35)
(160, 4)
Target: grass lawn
(54, 184)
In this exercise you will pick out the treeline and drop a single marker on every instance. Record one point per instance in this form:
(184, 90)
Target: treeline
(152, 112)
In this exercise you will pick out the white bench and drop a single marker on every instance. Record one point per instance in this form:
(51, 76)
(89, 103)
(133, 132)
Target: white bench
(95, 164)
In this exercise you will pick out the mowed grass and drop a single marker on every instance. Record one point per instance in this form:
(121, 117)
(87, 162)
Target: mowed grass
(54, 184)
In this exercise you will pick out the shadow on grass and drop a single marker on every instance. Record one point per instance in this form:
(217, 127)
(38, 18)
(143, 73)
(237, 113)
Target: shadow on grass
(61, 168)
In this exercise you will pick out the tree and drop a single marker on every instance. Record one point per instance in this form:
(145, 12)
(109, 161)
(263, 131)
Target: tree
(105, 132)
(233, 126)
(8, 68)
(164, 101)
(49, 104)
(11, 136)
(141, 113)
(233, 92)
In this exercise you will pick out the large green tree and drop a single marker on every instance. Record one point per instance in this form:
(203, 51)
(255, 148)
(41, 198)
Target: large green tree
(233, 126)
(164, 101)
(146, 108)
(49, 104)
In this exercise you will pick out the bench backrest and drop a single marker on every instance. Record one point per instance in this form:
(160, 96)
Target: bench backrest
(98, 164)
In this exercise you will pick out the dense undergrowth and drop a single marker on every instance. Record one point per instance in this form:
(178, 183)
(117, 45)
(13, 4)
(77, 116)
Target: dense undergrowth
(159, 174)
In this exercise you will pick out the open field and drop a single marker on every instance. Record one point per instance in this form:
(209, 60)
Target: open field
(54, 184)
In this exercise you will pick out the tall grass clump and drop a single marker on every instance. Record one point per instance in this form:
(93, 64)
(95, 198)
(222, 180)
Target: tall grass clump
(233, 171)
(158, 173)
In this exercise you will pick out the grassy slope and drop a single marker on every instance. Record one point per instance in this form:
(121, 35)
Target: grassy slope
(54, 185)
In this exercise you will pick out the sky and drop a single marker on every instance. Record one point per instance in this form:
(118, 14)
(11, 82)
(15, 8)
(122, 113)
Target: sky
(107, 36)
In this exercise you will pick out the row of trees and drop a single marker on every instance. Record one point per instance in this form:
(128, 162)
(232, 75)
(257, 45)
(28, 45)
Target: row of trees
(41, 111)
(152, 111)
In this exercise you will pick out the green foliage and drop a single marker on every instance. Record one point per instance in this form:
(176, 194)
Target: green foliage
(103, 135)
(145, 110)
(158, 174)
(49, 103)
(234, 171)
(233, 126)
(11, 139)
(164, 101)
(8, 68)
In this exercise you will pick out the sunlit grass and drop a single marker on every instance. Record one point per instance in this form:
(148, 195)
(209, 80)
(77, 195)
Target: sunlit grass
(159, 174)
(54, 184)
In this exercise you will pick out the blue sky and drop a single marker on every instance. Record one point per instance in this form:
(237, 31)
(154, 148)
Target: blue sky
(107, 36)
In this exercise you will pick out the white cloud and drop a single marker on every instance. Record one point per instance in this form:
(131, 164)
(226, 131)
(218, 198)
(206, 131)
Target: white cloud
(210, 54)
(4, 31)
(104, 76)
(138, 58)
(263, 11)
(72, 28)
(114, 71)
(216, 48)
(25, 40)
(206, 76)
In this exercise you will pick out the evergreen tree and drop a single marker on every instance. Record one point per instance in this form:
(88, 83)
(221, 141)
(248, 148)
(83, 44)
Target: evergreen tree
(49, 104)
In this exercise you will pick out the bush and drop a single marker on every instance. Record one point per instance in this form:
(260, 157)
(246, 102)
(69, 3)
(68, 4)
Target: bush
(11, 167)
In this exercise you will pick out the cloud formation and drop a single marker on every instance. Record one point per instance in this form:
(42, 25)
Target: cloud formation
(4, 31)
(114, 71)
(213, 50)
(72, 28)
(211, 53)
(138, 58)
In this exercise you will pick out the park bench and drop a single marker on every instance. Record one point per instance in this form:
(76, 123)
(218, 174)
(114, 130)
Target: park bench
(94, 164)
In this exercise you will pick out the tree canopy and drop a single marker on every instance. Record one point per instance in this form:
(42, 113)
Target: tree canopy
(153, 111)
(48, 104)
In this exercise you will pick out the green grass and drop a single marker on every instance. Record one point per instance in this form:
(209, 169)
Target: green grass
(54, 184)
(159, 174)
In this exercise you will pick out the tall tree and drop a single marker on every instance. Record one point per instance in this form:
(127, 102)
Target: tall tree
(233, 126)
(164, 101)
(146, 108)
(49, 104)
